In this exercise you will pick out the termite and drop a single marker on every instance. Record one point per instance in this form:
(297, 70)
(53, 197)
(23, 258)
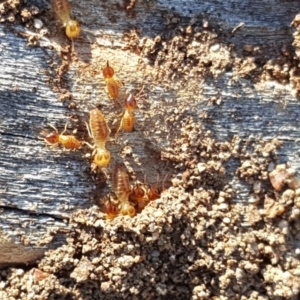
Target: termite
(68, 141)
(62, 9)
(122, 190)
(127, 121)
(138, 192)
(112, 83)
(99, 131)
(121, 183)
(154, 192)
(139, 196)
(111, 210)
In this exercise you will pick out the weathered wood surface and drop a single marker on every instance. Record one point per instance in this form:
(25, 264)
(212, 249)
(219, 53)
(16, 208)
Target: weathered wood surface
(40, 187)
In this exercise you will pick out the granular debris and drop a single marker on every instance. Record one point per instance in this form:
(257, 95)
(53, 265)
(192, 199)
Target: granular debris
(194, 242)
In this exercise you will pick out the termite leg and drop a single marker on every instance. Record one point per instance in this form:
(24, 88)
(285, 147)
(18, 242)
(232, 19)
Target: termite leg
(89, 145)
(88, 130)
(121, 124)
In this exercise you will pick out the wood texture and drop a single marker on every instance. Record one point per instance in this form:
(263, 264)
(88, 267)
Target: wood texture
(41, 186)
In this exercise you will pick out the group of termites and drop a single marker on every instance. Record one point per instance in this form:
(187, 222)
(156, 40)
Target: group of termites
(130, 200)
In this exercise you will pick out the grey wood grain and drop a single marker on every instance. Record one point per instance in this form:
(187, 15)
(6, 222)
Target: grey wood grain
(30, 179)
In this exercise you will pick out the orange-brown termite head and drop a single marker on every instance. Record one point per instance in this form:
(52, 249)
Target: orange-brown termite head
(110, 209)
(138, 193)
(139, 196)
(121, 183)
(130, 102)
(102, 157)
(99, 129)
(52, 138)
(154, 193)
(108, 71)
(126, 209)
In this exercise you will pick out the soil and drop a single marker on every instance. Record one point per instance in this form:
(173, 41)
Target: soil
(196, 241)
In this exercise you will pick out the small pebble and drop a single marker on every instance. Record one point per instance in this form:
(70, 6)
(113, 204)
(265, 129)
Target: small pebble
(223, 206)
(215, 47)
(20, 272)
(37, 23)
(130, 247)
(226, 220)
(221, 199)
(201, 167)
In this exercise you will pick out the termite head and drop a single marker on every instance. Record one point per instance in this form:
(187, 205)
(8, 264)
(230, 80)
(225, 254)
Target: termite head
(139, 196)
(111, 210)
(52, 138)
(108, 71)
(154, 193)
(130, 102)
(126, 209)
(102, 158)
(138, 193)
(72, 29)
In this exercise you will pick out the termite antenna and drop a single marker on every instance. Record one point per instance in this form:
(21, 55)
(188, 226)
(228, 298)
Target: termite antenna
(65, 129)
(53, 127)
(163, 185)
